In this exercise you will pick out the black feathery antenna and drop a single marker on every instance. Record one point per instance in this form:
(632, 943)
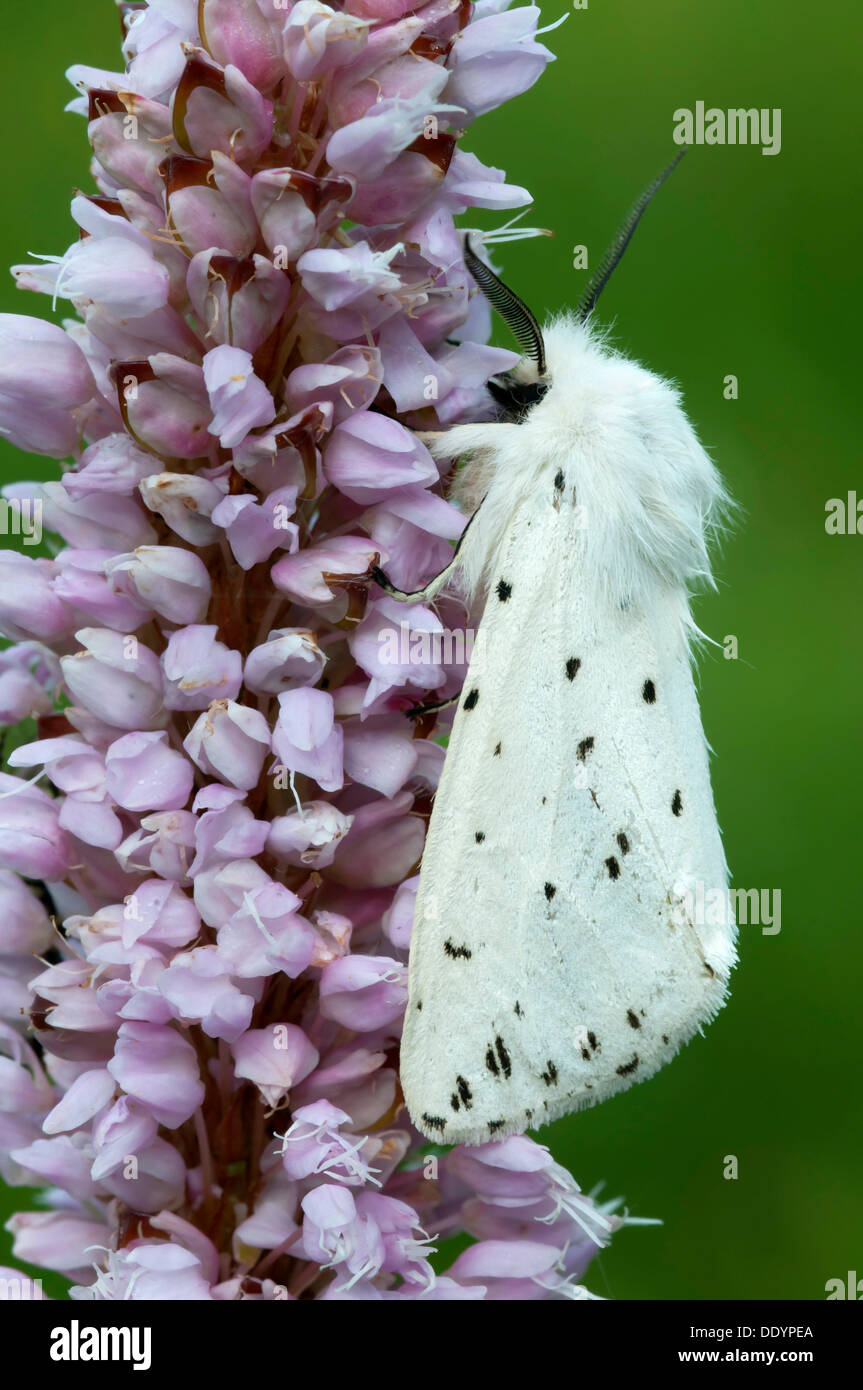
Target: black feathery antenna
(511, 308)
(613, 255)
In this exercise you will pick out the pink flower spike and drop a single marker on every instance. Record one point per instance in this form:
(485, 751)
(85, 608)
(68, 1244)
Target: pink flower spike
(208, 883)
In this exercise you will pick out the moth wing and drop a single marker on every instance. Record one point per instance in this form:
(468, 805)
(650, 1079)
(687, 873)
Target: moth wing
(556, 957)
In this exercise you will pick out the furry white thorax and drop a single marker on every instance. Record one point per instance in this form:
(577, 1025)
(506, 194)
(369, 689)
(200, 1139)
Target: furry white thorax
(649, 494)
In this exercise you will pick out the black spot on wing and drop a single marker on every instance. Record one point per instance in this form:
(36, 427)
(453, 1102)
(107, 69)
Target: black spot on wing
(491, 1061)
(503, 1057)
(518, 1010)
(677, 803)
(628, 1068)
(572, 665)
(559, 480)
(496, 753)
(419, 1006)
(495, 1125)
(549, 891)
(464, 1096)
(503, 590)
(665, 1037)
(632, 1018)
(479, 836)
(471, 699)
(613, 867)
(435, 1122)
(549, 1076)
(648, 693)
(457, 952)
(595, 1046)
(585, 747)
(623, 843)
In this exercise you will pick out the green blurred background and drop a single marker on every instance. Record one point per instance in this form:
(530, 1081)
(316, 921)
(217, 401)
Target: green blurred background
(745, 264)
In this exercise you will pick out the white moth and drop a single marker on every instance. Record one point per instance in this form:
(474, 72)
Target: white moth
(556, 957)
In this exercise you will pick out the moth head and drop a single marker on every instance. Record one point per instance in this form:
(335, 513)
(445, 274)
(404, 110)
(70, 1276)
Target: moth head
(516, 397)
(516, 391)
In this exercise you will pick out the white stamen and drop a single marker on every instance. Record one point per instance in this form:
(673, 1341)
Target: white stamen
(13, 791)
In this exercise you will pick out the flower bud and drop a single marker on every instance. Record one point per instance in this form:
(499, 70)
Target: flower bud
(185, 500)
(143, 773)
(274, 1059)
(230, 741)
(306, 738)
(116, 678)
(309, 838)
(31, 840)
(198, 669)
(171, 581)
(370, 454)
(29, 673)
(29, 606)
(289, 658)
(25, 926)
(43, 376)
(239, 399)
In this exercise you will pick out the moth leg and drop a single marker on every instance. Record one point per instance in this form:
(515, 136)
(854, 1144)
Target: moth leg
(434, 586)
(420, 711)
(423, 595)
